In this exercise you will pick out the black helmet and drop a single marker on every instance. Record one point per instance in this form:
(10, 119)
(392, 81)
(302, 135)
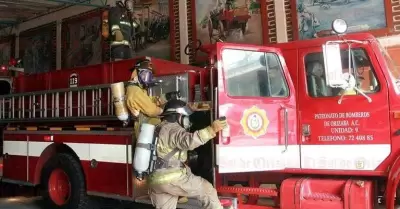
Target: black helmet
(176, 106)
(143, 63)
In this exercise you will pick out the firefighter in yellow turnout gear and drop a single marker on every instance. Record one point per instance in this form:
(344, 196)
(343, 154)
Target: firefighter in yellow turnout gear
(142, 106)
(171, 178)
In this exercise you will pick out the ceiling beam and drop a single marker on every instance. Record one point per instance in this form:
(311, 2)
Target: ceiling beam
(77, 3)
(8, 22)
(20, 6)
(37, 2)
(15, 14)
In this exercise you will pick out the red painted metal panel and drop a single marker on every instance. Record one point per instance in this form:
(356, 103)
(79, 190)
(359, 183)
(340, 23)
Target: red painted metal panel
(15, 168)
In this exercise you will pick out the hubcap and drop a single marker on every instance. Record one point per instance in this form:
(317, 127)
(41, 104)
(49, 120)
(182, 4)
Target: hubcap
(59, 187)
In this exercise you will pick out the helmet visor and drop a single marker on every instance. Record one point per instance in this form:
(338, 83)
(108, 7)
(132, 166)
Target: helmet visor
(181, 110)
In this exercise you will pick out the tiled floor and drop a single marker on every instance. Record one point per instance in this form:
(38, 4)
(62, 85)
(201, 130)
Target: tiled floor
(35, 203)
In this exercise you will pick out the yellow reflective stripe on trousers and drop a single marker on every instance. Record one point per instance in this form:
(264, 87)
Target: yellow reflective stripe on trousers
(165, 177)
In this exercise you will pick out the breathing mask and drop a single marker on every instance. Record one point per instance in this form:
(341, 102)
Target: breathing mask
(145, 77)
(184, 120)
(144, 73)
(184, 112)
(176, 106)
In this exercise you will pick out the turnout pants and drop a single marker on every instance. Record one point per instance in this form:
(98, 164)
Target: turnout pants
(165, 196)
(120, 52)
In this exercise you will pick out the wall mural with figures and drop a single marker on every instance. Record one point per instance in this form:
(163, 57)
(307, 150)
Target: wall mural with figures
(316, 16)
(82, 40)
(229, 20)
(5, 52)
(152, 32)
(37, 49)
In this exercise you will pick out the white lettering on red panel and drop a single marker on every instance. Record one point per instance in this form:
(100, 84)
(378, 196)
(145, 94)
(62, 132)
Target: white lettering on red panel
(343, 126)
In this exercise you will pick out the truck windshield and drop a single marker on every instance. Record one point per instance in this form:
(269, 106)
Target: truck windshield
(361, 67)
(253, 74)
(393, 69)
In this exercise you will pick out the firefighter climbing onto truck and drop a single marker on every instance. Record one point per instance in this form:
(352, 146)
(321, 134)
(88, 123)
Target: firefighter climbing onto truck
(122, 29)
(141, 106)
(170, 177)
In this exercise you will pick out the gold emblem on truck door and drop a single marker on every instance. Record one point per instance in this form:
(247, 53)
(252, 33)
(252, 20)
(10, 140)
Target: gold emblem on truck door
(254, 122)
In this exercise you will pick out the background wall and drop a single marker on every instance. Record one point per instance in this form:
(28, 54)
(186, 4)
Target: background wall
(361, 15)
(37, 48)
(6, 49)
(236, 21)
(82, 40)
(153, 37)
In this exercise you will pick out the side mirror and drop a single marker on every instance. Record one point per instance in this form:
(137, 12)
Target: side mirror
(333, 65)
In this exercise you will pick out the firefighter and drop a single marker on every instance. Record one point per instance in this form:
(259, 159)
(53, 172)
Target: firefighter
(122, 29)
(171, 177)
(142, 106)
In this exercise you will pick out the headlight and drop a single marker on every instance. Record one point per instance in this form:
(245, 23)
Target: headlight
(339, 26)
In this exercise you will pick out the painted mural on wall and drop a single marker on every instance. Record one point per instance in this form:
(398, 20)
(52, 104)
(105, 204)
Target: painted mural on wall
(315, 16)
(37, 50)
(5, 52)
(82, 41)
(229, 20)
(152, 32)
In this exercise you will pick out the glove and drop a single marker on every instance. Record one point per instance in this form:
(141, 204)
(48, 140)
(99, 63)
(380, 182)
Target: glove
(118, 36)
(105, 30)
(161, 102)
(218, 125)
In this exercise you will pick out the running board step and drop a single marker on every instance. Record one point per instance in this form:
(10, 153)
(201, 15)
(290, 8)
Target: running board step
(248, 191)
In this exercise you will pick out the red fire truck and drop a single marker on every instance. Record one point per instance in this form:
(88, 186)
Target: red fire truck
(317, 118)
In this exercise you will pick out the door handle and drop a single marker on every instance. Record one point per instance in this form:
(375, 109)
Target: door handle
(286, 130)
(306, 132)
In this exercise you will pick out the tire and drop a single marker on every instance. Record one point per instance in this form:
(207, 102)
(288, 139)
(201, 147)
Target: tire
(63, 183)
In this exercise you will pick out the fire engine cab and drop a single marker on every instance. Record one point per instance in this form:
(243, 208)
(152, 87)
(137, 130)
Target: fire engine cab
(318, 118)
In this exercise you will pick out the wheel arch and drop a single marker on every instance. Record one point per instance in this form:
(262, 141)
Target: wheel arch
(392, 183)
(49, 152)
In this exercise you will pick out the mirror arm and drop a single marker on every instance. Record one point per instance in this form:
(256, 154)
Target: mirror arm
(357, 90)
(340, 99)
(362, 93)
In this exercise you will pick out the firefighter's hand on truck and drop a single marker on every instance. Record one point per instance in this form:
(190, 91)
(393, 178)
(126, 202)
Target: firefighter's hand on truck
(118, 36)
(219, 124)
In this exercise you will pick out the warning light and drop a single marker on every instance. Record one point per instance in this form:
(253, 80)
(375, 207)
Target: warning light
(3, 68)
(12, 62)
(48, 138)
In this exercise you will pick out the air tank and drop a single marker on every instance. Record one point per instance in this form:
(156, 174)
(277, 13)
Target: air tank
(118, 95)
(143, 154)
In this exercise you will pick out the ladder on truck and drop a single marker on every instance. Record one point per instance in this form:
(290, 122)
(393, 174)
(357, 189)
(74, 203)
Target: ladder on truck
(70, 104)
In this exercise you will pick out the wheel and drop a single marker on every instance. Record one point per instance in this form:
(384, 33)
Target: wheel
(63, 183)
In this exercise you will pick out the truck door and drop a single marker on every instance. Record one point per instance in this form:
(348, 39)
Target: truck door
(352, 135)
(257, 97)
